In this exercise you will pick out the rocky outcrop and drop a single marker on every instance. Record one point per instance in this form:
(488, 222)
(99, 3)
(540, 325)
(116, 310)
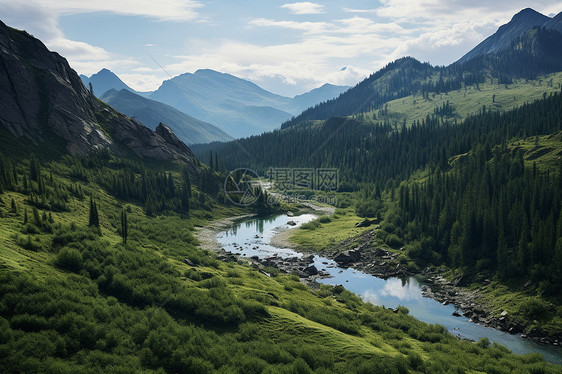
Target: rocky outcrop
(41, 94)
(348, 257)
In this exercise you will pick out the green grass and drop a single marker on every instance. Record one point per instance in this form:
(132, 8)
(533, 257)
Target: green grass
(545, 151)
(521, 307)
(468, 100)
(319, 235)
(140, 308)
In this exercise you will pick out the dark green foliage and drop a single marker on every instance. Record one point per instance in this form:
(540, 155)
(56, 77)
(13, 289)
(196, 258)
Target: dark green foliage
(124, 226)
(69, 259)
(381, 154)
(36, 218)
(134, 308)
(93, 219)
(487, 214)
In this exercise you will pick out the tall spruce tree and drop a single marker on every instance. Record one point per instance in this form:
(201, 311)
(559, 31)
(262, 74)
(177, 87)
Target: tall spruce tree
(94, 220)
(124, 226)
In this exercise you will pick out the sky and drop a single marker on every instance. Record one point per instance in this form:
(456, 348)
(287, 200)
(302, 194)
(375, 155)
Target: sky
(285, 47)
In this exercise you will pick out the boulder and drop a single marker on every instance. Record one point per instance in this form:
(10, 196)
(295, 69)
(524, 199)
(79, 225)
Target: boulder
(311, 270)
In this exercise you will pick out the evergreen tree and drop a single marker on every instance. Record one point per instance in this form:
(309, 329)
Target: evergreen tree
(36, 218)
(34, 169)
(124, 226)
(94, 220)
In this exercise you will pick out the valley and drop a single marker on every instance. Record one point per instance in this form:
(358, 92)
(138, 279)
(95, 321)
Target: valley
(409, 223)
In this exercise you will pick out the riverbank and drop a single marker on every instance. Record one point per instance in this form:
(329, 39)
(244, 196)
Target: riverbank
(363, 254)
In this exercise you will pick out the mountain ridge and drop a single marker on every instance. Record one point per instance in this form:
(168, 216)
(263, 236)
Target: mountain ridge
(151, 113)
(41, 93)
(103, 81)
(521, 22)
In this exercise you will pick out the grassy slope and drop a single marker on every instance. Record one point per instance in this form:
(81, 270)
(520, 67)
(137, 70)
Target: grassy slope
(469, 100)
(341, 226)
(297, 327)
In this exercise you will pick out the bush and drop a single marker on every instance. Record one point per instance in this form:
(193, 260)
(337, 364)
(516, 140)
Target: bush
(312, 225)
(69, 259)
(483, 343)
(394, 241)
(324, 219)
(535, 308)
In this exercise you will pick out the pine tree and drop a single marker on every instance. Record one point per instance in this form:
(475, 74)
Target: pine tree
(36, 218)
(14, 207)
(124, 226)
(34, 169)
(94, 220)
(25, 218)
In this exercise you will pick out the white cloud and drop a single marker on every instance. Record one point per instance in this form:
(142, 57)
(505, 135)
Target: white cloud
(42, 23)
(164, 10)
(349, 10)
(143, 82)
(306, 27)
(304, 8)
(449, 12)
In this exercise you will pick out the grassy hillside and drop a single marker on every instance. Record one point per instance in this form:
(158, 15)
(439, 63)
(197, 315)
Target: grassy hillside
(74, 298)
(466, 101)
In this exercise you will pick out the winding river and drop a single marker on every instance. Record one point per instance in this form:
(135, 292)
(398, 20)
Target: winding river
(252, 237)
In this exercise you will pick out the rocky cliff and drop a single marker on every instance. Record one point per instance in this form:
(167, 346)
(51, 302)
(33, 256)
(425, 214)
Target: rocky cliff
(39, 93)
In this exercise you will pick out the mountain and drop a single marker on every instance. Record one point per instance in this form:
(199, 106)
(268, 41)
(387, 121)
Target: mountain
(554, 23)
(397, 79)
(41, 95)
(151, 113)
(316, 96)
(521, 49)
(506, 34)
(238, 105)
(103, 81)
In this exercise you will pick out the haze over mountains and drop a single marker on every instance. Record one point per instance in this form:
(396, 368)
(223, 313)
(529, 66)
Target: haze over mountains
(238, 106)
(152, 113)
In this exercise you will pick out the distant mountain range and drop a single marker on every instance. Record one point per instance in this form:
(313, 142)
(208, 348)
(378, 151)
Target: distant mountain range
(152, 113)
(103, 81)
(528, 46)
(239, 106)
(43, 99)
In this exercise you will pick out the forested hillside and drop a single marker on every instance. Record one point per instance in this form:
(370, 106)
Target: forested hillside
(383, 154)
(536, 52)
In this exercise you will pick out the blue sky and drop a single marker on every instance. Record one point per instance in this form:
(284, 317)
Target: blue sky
(286, 47)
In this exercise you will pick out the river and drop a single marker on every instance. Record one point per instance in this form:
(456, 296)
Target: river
(252, 237)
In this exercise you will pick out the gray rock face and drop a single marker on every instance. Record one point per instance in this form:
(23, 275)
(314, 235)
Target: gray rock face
(506, 34)
(40, 93)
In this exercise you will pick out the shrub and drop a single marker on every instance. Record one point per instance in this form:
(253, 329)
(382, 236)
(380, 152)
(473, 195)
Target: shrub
(394, 241)
(69, 259)
(535, 308)
(483, 343)
(324, 219)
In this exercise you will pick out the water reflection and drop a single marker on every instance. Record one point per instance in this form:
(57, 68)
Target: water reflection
(406, 289)
(252, 238)
(371, 296)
